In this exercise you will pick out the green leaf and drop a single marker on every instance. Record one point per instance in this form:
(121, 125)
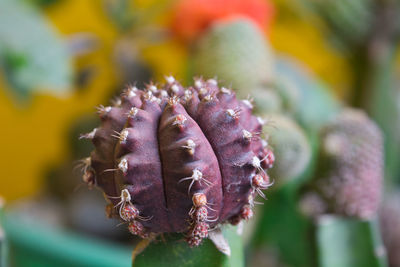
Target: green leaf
(176, 252)
(349, 242)
(32, 54)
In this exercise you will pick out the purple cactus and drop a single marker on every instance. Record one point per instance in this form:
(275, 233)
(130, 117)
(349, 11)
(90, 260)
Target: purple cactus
(179, 159)
(349, 176)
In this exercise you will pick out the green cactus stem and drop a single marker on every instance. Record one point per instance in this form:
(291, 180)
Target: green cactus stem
(172, 251)
(348, 243)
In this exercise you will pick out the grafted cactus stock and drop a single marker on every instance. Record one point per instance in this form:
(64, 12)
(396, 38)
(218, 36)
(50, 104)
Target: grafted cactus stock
(179, 160)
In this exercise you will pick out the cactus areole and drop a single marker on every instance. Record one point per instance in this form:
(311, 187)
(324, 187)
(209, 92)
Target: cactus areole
(174, 159)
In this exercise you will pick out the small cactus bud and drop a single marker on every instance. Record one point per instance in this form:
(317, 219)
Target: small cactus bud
(199, 200)
(197, 233)
(269, 159)
(136, 228)
(257, 180)
(246, 213)
(200, 214)
(200, 230)
(129, 213)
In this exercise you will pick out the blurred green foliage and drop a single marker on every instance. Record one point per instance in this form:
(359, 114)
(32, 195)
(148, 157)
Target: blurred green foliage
(33, 56)
(367, 32)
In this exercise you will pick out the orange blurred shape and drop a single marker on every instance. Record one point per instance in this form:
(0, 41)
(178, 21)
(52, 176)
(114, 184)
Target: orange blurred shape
(192, 17)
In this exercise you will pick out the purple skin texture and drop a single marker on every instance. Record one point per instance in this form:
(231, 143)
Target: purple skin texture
(174, 138)
(143, 176)
(171, 151)
(102, 158)
(225, 135)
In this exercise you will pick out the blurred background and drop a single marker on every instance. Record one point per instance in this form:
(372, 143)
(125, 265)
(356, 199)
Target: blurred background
(325, 74)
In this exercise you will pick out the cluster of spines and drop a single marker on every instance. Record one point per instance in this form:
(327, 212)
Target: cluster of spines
(204, 93)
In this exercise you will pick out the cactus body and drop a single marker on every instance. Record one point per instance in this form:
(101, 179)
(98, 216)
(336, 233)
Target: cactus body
(237, 53)
(179, 160)
(350, 172)
(292, 149)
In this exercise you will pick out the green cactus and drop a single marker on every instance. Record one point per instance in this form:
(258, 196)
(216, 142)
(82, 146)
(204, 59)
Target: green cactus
(236, 52)
(267, 100)
(291, 148)
(177, 253)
